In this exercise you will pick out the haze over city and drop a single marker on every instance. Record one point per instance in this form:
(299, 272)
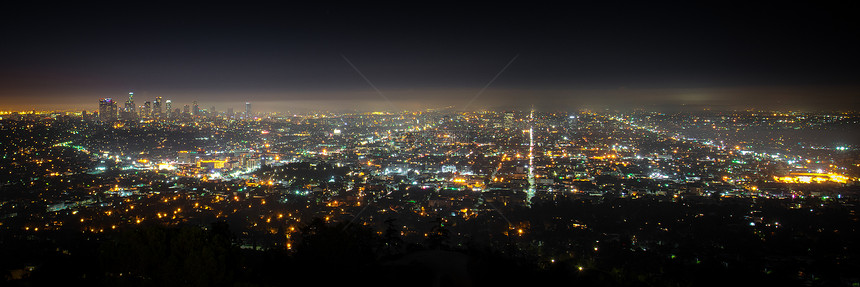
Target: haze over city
(307, 56)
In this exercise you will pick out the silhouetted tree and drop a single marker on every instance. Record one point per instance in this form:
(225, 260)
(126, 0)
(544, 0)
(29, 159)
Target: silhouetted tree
(391, 241)
(156, 255)
(438, 236)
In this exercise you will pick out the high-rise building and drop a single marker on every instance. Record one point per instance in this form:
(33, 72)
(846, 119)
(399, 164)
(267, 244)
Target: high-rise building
(195, 109)
(130, 113)
(168, 108)
(186, 110)
(156, 108)
(147, 110)
(107, 109)
(248, 110)
(509, 120)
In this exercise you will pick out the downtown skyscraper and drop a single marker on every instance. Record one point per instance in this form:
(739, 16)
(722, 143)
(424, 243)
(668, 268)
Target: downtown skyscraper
(107, 110)
(156, 108)
(130, 111)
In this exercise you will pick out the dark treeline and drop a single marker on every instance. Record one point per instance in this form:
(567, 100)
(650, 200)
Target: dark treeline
(349, 253)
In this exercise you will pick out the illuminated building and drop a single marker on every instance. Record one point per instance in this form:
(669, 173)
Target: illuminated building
(156, 108)
(195, 111)
(251, 162)
(168, 107)
(187, 157)
(811, 177)
(146, 112)
(107, 109)
(248, 110)
(509, 120)
(130, 110)
(212, 164)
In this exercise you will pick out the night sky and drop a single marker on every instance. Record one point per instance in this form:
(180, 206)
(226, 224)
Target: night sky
(293, 57)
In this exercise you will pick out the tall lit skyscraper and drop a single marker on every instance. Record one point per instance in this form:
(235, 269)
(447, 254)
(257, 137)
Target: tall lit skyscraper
(195, 111)
(107, 109)
(130, 110)
(147, 110)
(248, 110)
(168, 108)
(156, 108)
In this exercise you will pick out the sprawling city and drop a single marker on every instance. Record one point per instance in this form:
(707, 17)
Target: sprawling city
(430, 144)
(615, 192)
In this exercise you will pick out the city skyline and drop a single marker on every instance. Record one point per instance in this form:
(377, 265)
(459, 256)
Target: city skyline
(430, 144)
(796, 99)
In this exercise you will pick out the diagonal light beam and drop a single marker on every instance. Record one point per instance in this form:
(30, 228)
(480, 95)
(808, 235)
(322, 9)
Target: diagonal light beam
(500, 213)
(491, 82)
(367, 80)
(356, 216)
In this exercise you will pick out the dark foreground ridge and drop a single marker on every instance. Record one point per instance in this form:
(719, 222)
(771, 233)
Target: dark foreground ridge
(710, 251)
